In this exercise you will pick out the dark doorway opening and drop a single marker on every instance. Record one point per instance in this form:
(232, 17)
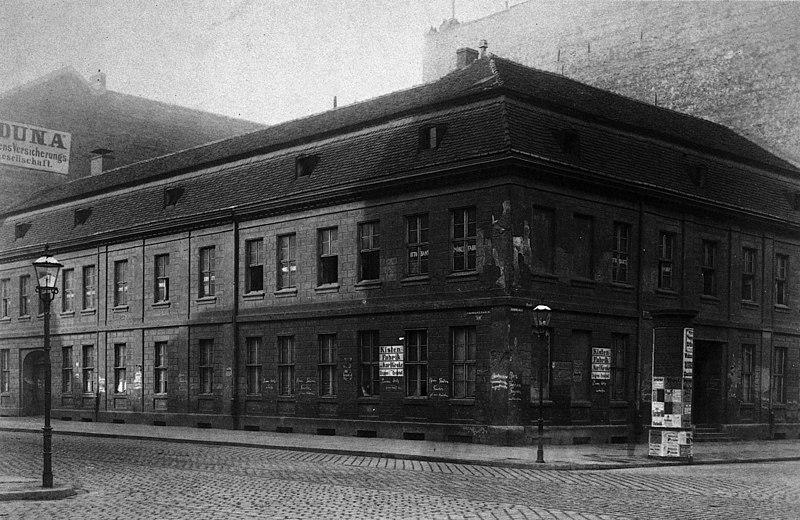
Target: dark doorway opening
(707, 393)
(33, 368)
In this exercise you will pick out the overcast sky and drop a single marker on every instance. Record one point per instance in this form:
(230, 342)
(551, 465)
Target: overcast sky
(262, 60)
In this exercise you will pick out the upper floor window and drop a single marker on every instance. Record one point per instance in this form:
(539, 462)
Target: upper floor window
(748, 273)
(781, 273)
(161, 290)
(68, 290)
(120, 283)
(416, 363)
(328, 256)
(208, 272)
(666, 248)
(369, 254)
(620, 254)
(254, 271)
(5, 298)
(287, 262)
(543, 238)
(327, 365)
(24, 295)
(463, 341)
(417, 245)
(465, 235)
(709, 268)
(583, 257)
(89, 287)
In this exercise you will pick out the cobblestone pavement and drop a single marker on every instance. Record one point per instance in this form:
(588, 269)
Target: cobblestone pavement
(131, 479)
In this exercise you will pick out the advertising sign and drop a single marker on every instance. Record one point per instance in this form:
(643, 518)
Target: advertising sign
(601, 363)
(391, 361)
(34, 147)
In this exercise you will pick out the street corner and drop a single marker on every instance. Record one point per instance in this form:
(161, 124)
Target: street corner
(20, 488)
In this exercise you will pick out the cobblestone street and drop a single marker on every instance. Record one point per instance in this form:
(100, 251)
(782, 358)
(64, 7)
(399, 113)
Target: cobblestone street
(131, 479)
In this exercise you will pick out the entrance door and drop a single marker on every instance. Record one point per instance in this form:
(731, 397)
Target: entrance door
(707, 393)
(33, 383)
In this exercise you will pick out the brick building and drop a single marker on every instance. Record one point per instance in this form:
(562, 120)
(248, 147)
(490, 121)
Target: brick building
(260, 282)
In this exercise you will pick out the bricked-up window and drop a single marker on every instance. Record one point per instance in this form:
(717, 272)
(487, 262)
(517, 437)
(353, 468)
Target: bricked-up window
(416, 363)
(24, 295)
(253, 365)
(5, 370)
(709, 268)
(748, 274)
(327, 365)
(463, 341)
(120, 283)
(120, 381)
(160, 367)
(543, 236)
(161, 264)
(66, 370)
(369, 253)
(583, 257)
(206, 366)
(619, 346)
(89, 287)
(369, 382)
(779, 375)
(328, 256)
(417, 245)
(781, 272)
(287, 262)
(620, 254)
(254, 271)
(5, 298)
(465, 235)
(88, 369)
(208, 272)
(68, 290)
(666, 248)
(286, 365)
(748, 365)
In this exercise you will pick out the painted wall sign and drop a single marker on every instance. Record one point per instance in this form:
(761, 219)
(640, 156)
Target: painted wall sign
(391, 361)
(34, 147)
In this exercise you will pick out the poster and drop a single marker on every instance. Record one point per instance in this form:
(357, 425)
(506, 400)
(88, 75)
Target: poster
(391, 361)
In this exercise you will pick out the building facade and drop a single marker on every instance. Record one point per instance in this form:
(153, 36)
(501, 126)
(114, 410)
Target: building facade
(371, 271)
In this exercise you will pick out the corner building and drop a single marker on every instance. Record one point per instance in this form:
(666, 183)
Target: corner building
(259, 282)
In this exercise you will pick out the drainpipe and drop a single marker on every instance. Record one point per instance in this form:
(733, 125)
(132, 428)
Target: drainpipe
(235, 325)
(637, 403)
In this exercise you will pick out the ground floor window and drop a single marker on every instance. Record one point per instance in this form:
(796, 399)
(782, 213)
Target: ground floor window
(5, 371)
(416, 363)
(369, 382)
(160, 367)
(286, 365)
(463, 341)
(779, 375)
(253, 366)
(748, 359)
(66, 370)
(120, 383)
(88, 369)
(327, 365)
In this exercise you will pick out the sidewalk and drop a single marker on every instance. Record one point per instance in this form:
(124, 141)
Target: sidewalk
(582, 457)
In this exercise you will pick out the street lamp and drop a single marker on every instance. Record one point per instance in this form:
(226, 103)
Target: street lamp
(541, 320)
(47, 269)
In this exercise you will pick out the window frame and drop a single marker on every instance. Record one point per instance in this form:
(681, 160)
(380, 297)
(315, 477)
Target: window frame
(585, 259)
(205, 366)
(418, 245)
(466, 377)
(779, 365)
(328, 256)
(161, 278)
(68, 290)
(254, 265)
(5, 298)
(543, 238)
(781, 279)
(207, 272)
(666, 261)
(253, 365)
(620, 253)
(417, 386)
(5, 370)
(120, 283)
(24, 296)
(66, 370)
(369, 251)
(619, 353)
(748, 356)
(120, 371)
(89, 288)
(286, 366)
(749, 259)
(464, 239)
(327, 365)
(369, 365)
(708, 268)
(160, 367)
(87, 369)
(287, 261)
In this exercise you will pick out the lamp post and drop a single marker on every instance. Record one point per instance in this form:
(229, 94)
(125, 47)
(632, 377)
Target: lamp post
(47, 269)
(541, 320)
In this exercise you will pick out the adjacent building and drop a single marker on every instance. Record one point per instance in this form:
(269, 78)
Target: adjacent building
(371, 270)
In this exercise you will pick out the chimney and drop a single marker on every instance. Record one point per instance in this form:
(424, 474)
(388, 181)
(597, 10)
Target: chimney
(98, 82)
(483, 46)
(102, 160)
(465, 56)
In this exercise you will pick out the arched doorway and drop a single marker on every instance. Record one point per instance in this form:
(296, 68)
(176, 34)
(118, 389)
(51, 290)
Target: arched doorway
(33, 383)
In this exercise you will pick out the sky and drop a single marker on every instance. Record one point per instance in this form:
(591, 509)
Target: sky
(262, 60)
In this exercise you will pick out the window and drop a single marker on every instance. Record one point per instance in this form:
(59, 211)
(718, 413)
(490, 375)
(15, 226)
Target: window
(464, 234)
(369, 255)
(327, 365)
(430, 137)
(207, 272)
(120, 383)
(369, 382)
(568, 141)
(161, 264)
(416, 363)
(88, 369)
(463, 340)
(206, 347)
(666, 249)
(66, 370)
(748, 274)
(620, 253)
(172, 195)
(287, 264)
(120, 283)
(20, 229)
(24, 295)
(748, 364)
(82, 215)
(781, 271)
(160, 367)
(619, 346)
(5, 298)
(779, 375)
(68, 290)
(89, 290)
(286, 365)
(583, 257)
(253, 365)
(328, 256)
(417, 245)
(305, 164)
(543, 239)
(254, 273)
(5, 370)
(709, 268)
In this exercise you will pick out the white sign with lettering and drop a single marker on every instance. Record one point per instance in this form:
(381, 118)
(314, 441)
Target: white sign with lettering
(34, 147)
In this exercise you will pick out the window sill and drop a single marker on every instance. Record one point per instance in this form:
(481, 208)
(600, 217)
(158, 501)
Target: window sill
(66, 314)
(88, 312)
(286, 398)
(26, 317)
(253, 296)
(586, 283)
(327, 288)
(365, 285)
(285, 293)
(748, 304)
(545, 277)
(420, 400)
(747, 406)
(705, 298)
(423, 279)
(207, 300)
(161, 305)
(119, 309)
(462, 276)
(369, 399)
(778, 406)
(461, 401)
(666, 293)
(6, 319)
(782, 308)
(327, 398)
(618, 403)
(621, 287)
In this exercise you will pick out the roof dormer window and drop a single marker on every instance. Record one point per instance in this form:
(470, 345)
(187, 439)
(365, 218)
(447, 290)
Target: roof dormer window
(305, 164)
(568, 141)
(794, 200)
(172, 195)
(698, 174)
(20, 229)
(82, 215)
(431, 136)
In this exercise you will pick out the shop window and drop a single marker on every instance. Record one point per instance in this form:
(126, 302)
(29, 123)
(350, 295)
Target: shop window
(464, 232)
(416, 363)
(327, 365)
(463, 346)
(417, 245)
(369, 383)
(619, 348)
